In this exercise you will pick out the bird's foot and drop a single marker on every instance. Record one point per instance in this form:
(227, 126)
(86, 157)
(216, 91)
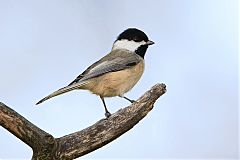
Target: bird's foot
(107, 114)
(132, 101)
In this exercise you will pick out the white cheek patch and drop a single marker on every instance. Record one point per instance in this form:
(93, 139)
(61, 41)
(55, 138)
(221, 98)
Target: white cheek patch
(128, 45)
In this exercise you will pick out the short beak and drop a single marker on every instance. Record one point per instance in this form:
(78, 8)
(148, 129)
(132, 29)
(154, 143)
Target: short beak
(149, 42)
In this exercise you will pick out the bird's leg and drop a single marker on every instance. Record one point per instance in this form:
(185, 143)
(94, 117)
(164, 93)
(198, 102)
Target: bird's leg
(107, 113)
(130, 100)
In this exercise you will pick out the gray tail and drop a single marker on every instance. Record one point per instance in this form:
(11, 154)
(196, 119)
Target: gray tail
(61, 91)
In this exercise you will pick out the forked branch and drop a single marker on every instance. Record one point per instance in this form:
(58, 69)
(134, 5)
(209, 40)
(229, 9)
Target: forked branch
(77, 144)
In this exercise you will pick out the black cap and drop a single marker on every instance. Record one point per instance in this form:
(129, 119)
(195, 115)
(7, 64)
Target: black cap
(133, 34)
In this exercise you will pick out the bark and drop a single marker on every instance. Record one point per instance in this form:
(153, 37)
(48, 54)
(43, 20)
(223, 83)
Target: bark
(77, 144)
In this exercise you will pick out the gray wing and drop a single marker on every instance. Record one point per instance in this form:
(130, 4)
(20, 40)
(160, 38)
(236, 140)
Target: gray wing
(115, 61)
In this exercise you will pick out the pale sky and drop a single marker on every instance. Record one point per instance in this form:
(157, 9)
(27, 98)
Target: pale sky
(45, 44)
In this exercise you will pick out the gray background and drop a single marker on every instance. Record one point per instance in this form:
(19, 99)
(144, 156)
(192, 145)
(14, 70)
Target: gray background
(45, 44)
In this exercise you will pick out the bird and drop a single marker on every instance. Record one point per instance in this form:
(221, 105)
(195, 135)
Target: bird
(117, 72)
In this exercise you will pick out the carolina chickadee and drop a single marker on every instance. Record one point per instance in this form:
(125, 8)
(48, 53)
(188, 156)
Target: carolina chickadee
(117, 72)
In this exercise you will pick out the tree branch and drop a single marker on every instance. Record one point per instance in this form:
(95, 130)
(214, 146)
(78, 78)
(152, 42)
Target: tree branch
(77, 144)
(23, 129)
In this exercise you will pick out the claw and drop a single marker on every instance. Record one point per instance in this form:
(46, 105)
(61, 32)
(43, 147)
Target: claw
(107, 114)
